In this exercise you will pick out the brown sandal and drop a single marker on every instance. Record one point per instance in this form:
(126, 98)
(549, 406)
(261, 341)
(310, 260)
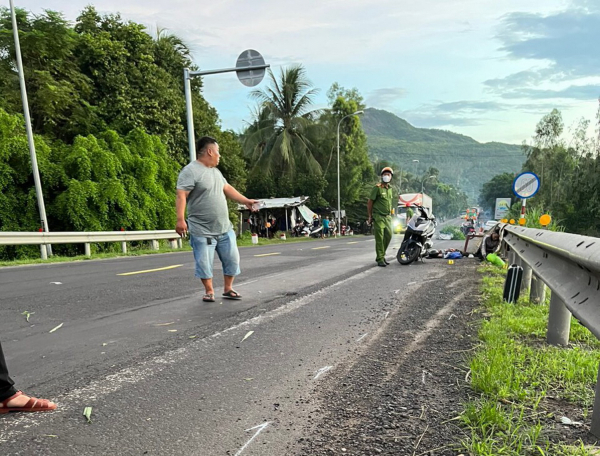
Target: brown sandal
(33, 405)
(208, 297)
(232, 294)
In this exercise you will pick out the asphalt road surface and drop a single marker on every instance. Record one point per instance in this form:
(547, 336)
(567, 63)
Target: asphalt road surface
(169, 375)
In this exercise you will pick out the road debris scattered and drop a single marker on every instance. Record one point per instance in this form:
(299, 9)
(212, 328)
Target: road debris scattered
(87, 412)
(55, 328)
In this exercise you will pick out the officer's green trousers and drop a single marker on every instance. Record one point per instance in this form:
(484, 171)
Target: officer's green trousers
(382, 228)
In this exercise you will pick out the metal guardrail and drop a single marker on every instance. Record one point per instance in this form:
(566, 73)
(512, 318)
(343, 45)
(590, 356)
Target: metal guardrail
(568, 264)
(88, 237)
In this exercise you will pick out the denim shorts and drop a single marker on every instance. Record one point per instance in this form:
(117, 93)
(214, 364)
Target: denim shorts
(204, 254)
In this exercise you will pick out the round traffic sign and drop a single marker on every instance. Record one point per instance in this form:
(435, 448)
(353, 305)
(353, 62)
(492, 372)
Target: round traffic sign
(526, 185)
(250, 58)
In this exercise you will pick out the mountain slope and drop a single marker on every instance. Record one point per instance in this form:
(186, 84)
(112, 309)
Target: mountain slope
(460, 159)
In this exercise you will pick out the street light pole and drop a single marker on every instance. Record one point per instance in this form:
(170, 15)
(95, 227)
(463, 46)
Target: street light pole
(339, 210)
(45, 249)
(400, 181)
(423, 183)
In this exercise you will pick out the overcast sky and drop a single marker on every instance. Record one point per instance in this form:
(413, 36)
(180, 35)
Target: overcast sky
(486, 68)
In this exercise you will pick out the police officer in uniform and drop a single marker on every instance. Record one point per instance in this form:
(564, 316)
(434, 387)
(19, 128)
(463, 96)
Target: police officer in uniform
(380, 209)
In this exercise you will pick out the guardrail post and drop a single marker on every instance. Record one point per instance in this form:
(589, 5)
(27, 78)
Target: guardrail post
(511, 257)
(527, 273)
(88, 250)
(538, 290)
(173, 243)
(179, 243)
(124, 246)
(44, 252)
(595, 428)
(559, 322)
(155, 245)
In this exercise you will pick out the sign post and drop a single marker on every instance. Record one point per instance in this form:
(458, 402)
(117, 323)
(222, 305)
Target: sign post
(250, 68)
(525, 186)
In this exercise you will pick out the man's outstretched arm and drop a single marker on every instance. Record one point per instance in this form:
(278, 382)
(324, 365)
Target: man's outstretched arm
(234, 195)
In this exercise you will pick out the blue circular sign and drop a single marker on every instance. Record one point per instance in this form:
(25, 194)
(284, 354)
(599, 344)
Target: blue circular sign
(526, 185)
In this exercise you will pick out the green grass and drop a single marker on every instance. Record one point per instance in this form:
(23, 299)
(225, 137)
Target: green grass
(514, 372)
(244, 241)
(455, 231)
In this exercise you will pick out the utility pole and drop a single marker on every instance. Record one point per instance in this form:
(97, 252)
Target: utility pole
(45, 249)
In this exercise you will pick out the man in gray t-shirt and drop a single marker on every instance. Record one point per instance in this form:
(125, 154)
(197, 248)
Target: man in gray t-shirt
(203, 189)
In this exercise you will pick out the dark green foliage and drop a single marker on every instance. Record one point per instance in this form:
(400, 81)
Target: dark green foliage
(569, 172)
(99, 183)
(101, 73)
(107, 107)
(500, 186)
(292, 149)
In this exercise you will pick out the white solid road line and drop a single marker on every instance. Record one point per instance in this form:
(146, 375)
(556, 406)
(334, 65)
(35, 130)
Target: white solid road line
(70, 401)
(246, 283)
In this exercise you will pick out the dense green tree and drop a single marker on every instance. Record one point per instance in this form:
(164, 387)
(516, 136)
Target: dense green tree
(356, 170)
(353, 94)
(500, 186)
(281, 139)
(569, 172)
(99, 183)
(101, 73)
(58, 91)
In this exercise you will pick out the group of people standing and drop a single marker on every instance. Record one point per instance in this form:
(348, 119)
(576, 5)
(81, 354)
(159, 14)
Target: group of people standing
(263, 226)
(329, 226)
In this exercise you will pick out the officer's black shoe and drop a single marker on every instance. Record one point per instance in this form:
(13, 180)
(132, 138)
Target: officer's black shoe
(386, 261)
(382, 264)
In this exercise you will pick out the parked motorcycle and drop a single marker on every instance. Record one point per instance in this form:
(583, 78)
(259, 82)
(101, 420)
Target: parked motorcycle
(312, 232)
(418, 236)
(347, 230)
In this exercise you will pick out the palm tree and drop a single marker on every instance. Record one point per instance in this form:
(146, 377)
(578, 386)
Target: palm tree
(282, 135)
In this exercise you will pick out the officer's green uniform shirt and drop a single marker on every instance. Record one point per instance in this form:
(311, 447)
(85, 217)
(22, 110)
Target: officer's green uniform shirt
(382, 200)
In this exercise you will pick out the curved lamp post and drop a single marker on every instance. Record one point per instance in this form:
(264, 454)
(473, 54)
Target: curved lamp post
(423, 182)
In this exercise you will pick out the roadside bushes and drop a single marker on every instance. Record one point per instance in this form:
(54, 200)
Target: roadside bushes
(102, 182)
(454, 231)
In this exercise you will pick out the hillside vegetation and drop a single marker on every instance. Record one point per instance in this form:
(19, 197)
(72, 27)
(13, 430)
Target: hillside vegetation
(462, 161)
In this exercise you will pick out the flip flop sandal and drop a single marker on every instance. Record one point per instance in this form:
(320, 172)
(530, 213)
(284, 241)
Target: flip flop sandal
(232, 294)
(33, 405)
(208, 298)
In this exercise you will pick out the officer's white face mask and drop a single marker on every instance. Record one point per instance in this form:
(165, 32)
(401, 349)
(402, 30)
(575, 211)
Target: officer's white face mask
(386, 178)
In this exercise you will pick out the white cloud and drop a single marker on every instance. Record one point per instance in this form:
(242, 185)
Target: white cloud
(385, 98)
(415, 57)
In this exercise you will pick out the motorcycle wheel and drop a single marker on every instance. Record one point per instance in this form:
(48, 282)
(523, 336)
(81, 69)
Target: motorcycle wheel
(409, 255)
